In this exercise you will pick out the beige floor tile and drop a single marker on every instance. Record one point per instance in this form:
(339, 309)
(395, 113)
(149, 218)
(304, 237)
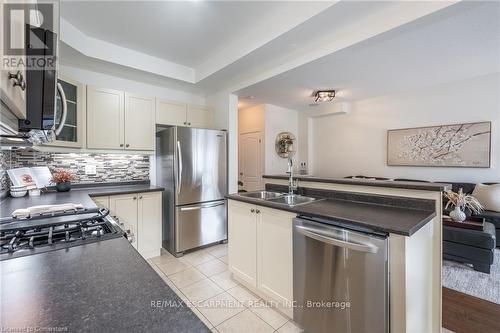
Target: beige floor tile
(187, 277)
(201, 290)
(244, 322)
(223, 259)
(243, 295)
(165, 255)
(220, 308)
(198, 257)
(269, 315)
(173, 266)
(290, 327)
(218, 250)
(224, 280)
(212, 267)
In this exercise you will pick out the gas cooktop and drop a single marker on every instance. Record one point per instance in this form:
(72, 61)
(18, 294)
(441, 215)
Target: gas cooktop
(48, 232)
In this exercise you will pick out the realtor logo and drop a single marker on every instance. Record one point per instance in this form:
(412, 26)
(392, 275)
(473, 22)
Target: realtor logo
(26, 43)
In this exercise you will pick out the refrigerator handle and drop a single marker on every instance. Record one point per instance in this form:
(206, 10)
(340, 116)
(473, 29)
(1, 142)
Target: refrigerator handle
(179, 167)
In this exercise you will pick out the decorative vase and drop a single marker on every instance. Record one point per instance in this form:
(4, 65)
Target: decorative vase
(63, 187)
(458, 215)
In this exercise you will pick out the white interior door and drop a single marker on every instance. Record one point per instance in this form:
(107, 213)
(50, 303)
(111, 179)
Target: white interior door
(251, 160)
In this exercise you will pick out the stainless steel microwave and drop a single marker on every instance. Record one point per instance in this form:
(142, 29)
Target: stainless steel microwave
(41, 85)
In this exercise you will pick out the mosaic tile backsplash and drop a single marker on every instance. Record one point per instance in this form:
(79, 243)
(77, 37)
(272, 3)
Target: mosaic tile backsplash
(109, 167)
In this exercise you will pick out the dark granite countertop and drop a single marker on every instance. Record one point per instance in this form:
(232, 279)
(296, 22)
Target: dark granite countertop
(424, 186)
(99, 287)
(76, 195)
(379, 217)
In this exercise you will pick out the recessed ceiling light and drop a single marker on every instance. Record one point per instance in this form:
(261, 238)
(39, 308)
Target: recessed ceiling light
(324, 95)
(249, 97)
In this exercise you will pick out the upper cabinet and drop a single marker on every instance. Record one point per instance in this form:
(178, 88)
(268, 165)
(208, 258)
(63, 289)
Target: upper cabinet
(118, 120)
(105, 118)
(170, 113)
(73, 131)
(139, 122)
(199, 116)
(13, 82)
(181, 114)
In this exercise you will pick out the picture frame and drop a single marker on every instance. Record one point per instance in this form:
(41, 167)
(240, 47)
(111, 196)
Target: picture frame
(466, 145)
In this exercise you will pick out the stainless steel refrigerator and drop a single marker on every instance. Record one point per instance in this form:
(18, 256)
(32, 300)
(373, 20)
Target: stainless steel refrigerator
(191, 164)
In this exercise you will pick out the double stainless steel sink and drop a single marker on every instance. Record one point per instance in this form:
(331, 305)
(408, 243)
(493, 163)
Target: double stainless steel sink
(279, 198)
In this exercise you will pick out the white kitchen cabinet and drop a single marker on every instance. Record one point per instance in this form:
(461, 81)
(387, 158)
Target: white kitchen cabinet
(13, 96)
(275, 255)
(119, 121)
(105, 118)
(170, 113)
(142, 214)
(242, 241)
(102, 202)
(182, 114)
(73, 132)
(124, 207)
(149, 224)
(260, 251)
(199, 116)
(139, 122)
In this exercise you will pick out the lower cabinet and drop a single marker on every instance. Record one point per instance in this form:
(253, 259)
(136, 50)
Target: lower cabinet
(242, 241)
(149, 224)
(141, 214)
(260, 251)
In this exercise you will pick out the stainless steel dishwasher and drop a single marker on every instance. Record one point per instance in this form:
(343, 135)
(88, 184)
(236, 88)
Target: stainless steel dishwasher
(340, 277)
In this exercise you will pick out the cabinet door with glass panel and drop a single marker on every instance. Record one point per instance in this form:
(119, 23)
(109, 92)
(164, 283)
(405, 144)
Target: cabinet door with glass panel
(73, 130)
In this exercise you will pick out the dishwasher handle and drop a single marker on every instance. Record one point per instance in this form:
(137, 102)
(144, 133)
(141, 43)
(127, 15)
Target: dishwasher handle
(330, 239)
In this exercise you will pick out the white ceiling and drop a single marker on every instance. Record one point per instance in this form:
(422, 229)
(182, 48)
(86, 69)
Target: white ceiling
(184, 32)
(458, 42)
(278, 51)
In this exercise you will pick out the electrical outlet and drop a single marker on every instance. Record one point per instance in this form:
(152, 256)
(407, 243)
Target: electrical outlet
(90, 169)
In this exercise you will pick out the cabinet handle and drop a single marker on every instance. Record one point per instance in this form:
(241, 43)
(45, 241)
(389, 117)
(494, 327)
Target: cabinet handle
(135, 198)
(140, 197)
(185, 123)
(257, 211)
(121, 144)
(189, 124)
(18, 80)
(252, 210)
(18, 76)
(127, 145)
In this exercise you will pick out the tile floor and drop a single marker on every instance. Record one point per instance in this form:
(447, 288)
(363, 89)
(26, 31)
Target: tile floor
(202, 279)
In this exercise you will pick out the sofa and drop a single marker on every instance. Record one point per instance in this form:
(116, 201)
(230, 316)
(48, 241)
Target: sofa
(489, 216)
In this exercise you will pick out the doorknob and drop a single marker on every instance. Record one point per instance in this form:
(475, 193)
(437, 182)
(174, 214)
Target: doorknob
(241, 173)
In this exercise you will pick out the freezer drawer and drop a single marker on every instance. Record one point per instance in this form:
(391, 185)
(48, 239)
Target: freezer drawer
(200, 224)
(340, 279)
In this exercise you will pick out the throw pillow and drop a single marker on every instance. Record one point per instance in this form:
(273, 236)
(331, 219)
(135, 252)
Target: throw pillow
(488, 196)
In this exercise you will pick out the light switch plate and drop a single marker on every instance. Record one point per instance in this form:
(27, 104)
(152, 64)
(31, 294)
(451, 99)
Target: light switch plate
(90, 169)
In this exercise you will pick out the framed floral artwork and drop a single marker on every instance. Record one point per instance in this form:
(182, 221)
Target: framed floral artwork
(460, 145)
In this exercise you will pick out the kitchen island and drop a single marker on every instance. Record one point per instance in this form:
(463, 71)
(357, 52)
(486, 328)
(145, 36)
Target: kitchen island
(408, 213)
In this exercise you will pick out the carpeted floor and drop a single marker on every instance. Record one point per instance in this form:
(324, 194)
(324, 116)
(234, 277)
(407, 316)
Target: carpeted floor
(463, 278)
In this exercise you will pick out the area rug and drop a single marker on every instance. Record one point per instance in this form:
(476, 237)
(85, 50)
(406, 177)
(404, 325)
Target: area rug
(463, 278)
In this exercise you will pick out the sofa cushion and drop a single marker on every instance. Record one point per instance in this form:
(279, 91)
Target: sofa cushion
(466, 253)
(485, 239)
(492, 217)
(488, 196)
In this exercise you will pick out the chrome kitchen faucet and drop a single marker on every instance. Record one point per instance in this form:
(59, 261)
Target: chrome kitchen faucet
(292, 183)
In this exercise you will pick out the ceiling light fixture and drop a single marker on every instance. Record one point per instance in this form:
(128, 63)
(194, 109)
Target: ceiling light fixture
(324, 95)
